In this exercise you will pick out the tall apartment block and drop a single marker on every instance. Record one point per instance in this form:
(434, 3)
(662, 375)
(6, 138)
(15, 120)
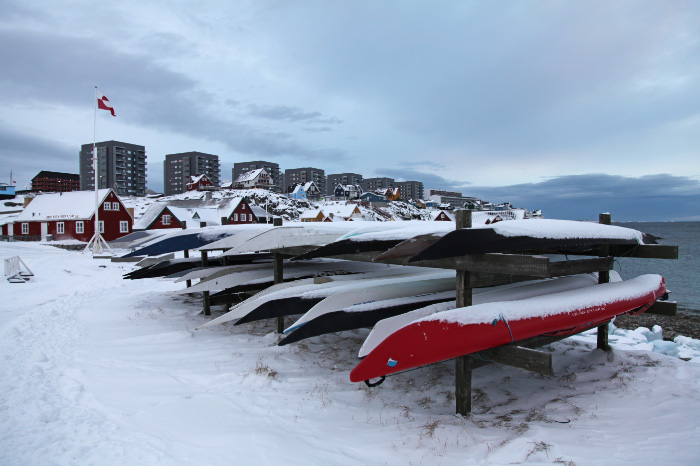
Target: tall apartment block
(410, 189)
(371, 184)
(294, 176)
(56, 182)
(121, 166)
(272, 168)
(179, 168)
(341, 178)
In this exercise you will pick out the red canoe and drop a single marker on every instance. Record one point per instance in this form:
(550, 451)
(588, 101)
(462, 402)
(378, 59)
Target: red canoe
(468, 330)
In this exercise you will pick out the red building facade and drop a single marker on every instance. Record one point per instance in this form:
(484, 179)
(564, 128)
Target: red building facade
(68, 217)
(55, 182)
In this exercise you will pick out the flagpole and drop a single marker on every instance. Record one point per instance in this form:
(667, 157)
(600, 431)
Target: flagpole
(96, 237)
(95, 245)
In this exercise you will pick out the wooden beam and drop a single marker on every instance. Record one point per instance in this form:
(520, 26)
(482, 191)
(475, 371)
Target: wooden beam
(521, 357)
(573, 267)
(293, 251)
(645, 251)
(642, 251)
(663, 308)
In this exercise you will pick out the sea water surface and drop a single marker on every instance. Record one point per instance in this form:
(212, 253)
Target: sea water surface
(683, 274)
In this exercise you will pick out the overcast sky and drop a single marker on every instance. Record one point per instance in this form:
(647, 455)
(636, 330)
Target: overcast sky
(575, 108)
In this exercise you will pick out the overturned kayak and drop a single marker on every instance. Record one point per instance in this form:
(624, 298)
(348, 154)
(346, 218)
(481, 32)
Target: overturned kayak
(468, 330)
(510, 292)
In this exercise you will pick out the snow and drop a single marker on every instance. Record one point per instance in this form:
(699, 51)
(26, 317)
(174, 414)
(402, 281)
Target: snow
(564, 229)
(95, 369)
(555, 303)
(249, 175)
(70, 205)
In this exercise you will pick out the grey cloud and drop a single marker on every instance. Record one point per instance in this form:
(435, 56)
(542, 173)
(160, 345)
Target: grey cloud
(429, 180)
(505, 78)
(27, 155)
(646, 198)
(291, 114)
(142, 92)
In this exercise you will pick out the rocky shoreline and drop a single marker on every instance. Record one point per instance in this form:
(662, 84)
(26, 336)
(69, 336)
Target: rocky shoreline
(683, 323)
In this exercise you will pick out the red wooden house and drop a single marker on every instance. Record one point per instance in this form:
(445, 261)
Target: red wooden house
(199, 182)
(231, 211)
(440, 216)
(71, 215)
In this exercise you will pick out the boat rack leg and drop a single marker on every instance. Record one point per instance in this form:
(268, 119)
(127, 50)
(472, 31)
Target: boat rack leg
(463, 372)
(205, 294)
(604, 277)
(279, 278)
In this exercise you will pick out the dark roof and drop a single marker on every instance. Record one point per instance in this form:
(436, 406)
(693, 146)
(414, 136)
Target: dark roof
(63, 176)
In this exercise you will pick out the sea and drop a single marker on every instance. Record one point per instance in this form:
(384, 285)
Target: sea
(683, 274)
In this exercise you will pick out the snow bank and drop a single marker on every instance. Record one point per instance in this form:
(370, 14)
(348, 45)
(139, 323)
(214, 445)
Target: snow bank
(95, 369)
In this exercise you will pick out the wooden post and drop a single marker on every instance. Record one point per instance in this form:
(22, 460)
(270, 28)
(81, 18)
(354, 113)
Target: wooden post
(463, 367)
(205, 294)
(187, 255)
(604, 277)
(279, 278)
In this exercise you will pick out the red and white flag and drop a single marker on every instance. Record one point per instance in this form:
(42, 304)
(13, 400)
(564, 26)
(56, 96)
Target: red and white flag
(103, 103)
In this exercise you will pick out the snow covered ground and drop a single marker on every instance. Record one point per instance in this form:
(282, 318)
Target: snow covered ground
(95, 369)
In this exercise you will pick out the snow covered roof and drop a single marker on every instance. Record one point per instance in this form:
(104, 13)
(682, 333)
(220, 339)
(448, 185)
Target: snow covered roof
(73, 205)
(149, 216)
(436, 213)
(196, 179)
(311, 213)
(191, 211)
(250, 175)
(7, 218)
(344, 211)
(260, 212)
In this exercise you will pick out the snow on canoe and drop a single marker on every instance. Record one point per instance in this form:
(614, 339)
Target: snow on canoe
(432, 282)
(468, 330)
(531, 234)
(298, 296)
(510, 292)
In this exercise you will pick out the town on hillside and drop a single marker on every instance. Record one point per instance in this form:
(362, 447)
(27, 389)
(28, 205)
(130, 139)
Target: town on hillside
(62, 206)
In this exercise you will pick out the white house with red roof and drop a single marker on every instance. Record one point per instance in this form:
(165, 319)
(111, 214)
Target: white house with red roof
(71, 215)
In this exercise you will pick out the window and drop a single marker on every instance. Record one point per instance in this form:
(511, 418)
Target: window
(79, 227)
(242, 217)
(166, 219)
(60, 228)
(115, 206)
(123, 226)
(25, 228)
(243, 207)
(101, 226)
(107, 206)
(235, 217)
